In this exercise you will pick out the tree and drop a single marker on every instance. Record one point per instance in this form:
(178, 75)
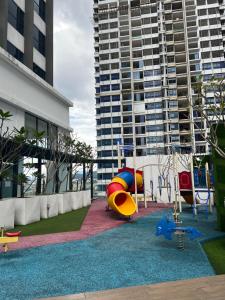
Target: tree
(209, 105)
(12, 142)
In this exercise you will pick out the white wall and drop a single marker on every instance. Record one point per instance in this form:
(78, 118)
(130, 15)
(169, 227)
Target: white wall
(15, 37)
(20, 3)
(21, 88)
(18, 115)
(152, 172)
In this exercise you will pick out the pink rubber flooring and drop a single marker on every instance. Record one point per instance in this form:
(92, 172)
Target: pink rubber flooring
(97, 220)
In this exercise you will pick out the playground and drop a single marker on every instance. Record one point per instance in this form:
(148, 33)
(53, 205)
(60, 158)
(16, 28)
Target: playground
(106, 253)
(140, 233)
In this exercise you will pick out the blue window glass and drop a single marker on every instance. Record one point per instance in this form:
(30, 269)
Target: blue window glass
(218, 65)
(105, 120)
(39, 7)
(115, 97)
(207, 66)
(152, 128)
(127, 107)
(15, 52)
(16, 16)
(127, 119)
(107, 142)
(156, 105)
(106, 153)
(97, 90)
(117, 130)
(98, 122)
(104, 77)
(97, 80)
(127, 130)
(99, 132)
(115, 87)
(153, 94)
(116, 119)
(105, 131)
(173, 115)
(158, 116)
(155, 139)
(97, 100)
(174, 126)
(115, 76)
(116, 108)
(97, 111)
(105, 88)
(173, 103)
(38, 40)
(37, 70)
(139, 97)
(140, 119)
(125, 64)
(127, 97)
(171, 70)
(128, 141)
(104, 98)
(172, 92)
(105, 109)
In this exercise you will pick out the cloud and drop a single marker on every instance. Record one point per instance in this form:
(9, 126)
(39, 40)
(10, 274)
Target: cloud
(74, 62)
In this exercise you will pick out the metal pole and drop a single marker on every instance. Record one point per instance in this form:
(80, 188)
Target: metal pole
(84, 177)
(193, 185)
(92, 182)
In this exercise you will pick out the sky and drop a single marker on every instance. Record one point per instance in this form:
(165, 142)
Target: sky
(74, 63)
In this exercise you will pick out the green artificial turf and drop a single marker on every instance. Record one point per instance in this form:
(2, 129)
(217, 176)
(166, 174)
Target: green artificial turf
(70, 221)
(215, 250)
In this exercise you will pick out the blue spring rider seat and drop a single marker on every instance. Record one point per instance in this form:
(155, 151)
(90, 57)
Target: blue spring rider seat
(166, 227)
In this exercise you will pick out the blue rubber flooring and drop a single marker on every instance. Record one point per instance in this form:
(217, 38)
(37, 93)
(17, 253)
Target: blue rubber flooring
(124, 256)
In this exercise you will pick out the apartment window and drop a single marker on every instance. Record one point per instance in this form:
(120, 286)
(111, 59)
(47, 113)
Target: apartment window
(115, 87)
(154, 105)
(116, 108)
(140, 119)
(155, 139)
(139, 97)
(115, 97)
(40, 72)
(105, 109)
(127, 108)
(105, 77)
(105, 131)
(39, 7)
(104, 99)
(105, 88)
(39, 40)
(115, 76)
(153, 128)
(140, 130)
(127, 119)
(15, 52)
(16, 16)
(116, 119)
(158, 116)
(127, 130)
(116, 130)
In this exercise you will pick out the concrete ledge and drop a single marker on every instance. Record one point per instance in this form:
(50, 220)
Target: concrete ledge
(49, 206)
(27, 210)
(206, 288)
(7, 212)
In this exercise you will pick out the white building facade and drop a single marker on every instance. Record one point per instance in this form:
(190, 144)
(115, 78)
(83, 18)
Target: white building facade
(148, 54)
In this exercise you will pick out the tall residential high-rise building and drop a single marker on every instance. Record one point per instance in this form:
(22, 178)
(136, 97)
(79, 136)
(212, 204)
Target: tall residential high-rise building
(26, 32)
(148, 54)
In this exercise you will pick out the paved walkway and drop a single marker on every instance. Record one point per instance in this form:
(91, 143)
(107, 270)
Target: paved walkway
(97, 221)
(206, 288)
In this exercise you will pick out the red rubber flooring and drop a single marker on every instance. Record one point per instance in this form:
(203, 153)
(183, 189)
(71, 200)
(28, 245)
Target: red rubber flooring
(97, 220)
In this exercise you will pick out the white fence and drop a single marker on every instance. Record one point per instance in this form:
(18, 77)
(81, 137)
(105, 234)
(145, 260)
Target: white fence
(23, 211)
